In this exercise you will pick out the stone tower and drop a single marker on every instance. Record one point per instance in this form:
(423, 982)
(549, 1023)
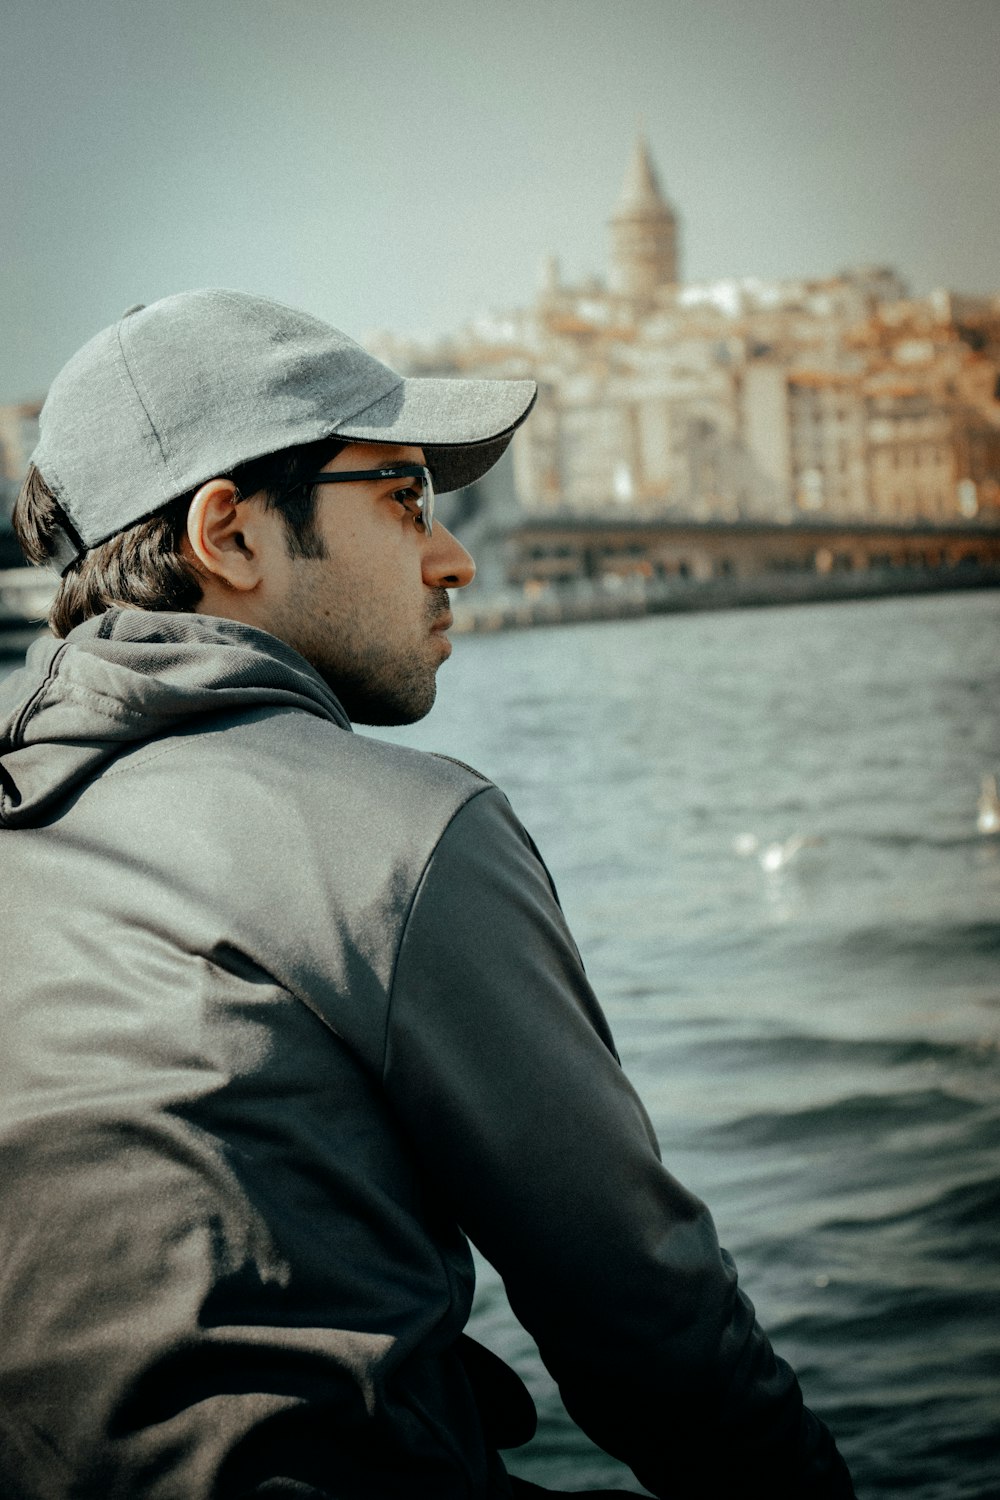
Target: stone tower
(643, 234)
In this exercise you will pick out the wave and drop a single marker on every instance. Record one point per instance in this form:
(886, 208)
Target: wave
(848, 1116)
(909, 1314)
(921, 840)
(972, 1206)
(949, 1237)
(804, 1048)
(939, 942)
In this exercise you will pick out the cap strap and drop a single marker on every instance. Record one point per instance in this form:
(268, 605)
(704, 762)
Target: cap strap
(65, 543)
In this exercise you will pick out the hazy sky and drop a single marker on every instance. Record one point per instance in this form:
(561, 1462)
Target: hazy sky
(406, 163)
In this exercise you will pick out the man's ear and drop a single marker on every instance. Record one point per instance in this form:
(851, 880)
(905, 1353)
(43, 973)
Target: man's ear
(225, 536)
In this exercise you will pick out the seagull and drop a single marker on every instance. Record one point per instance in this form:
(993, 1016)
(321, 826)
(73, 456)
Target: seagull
(988, 815)
(772, 857)
(776, 856)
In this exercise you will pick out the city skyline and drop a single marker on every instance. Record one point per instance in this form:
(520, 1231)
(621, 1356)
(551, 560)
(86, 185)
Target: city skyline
(410, 168)
(842, 398)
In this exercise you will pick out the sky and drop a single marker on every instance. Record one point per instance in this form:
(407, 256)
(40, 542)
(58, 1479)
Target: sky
(406, 164)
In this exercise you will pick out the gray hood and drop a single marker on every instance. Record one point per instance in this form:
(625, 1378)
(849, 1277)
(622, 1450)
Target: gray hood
(130, 675)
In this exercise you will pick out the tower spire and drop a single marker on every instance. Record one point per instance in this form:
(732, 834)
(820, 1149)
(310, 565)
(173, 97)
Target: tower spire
(641, 191)
(644, 232)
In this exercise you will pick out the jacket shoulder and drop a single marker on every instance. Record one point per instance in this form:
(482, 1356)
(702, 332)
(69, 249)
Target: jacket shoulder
(294, 770)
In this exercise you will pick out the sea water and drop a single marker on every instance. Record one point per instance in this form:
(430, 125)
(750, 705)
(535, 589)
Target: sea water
(763, 828)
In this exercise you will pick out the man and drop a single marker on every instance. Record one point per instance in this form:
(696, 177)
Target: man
(290, 1012)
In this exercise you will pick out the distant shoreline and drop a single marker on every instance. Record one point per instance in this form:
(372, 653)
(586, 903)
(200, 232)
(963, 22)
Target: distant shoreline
(688, 595)
(19, 627)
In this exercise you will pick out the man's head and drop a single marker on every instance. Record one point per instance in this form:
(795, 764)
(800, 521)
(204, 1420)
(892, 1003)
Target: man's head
(366, 604)
(176, 470)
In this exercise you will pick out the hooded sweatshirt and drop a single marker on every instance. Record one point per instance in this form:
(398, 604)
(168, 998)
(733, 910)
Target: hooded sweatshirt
(287, 1015)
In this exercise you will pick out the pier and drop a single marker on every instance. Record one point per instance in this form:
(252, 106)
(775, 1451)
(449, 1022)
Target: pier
(635, 596)
(565, 548)
(565, 569)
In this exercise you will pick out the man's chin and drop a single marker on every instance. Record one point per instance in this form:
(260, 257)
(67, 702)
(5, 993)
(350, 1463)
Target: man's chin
(383, 719)
(380, 710)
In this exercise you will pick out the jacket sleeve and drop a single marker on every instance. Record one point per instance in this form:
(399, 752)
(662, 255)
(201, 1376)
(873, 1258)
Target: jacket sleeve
(501, 1067)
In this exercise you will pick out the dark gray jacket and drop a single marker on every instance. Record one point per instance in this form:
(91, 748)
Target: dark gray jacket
(286, 1014)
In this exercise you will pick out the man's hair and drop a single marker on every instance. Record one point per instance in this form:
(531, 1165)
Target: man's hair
(144, 566)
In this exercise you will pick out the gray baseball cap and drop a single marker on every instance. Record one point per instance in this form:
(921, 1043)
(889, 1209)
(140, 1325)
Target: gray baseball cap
(194, 385)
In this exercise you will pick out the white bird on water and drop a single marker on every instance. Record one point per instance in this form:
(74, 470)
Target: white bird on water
(773, 857)
(988, 813)
(776, 856)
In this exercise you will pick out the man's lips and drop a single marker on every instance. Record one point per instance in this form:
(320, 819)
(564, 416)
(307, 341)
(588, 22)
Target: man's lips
(441, 618)
(442, 624)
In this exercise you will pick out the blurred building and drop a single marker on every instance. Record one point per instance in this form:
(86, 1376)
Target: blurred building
(840, 398)
(18, 436)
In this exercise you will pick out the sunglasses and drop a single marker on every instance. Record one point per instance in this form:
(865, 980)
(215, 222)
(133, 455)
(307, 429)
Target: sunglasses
(417, 499)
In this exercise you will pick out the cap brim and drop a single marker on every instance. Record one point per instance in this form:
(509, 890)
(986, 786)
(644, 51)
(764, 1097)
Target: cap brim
(463, 426)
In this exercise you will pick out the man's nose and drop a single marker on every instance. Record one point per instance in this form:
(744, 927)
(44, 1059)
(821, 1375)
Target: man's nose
(446, 563)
